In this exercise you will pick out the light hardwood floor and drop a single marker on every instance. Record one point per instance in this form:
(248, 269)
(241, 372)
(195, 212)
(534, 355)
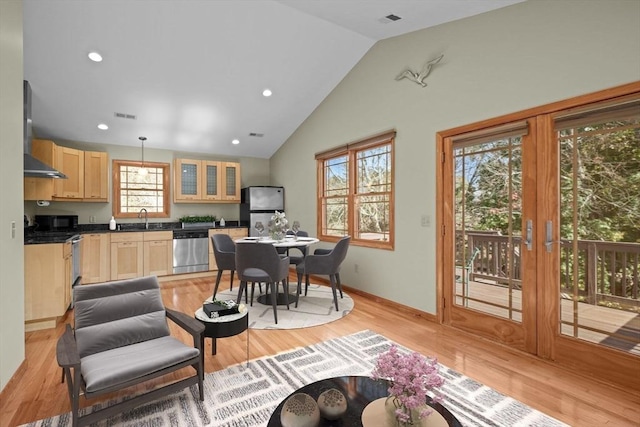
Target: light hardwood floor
(36, 392)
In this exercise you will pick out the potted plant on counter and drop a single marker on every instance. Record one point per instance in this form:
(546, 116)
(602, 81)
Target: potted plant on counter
(195, 221)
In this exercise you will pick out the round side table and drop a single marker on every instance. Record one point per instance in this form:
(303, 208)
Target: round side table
(222, 327)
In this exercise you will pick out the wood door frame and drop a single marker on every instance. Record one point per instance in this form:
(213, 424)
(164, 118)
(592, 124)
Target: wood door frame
(607, 364)
(520, 335)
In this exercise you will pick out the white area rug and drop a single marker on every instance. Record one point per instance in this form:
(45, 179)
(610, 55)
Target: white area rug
(242, 396)
(315, 309)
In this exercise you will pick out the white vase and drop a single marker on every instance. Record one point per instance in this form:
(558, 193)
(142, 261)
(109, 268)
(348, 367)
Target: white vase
(379, 413)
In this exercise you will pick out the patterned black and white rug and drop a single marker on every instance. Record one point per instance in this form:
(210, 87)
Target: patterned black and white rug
(315, 308)
(242, 396)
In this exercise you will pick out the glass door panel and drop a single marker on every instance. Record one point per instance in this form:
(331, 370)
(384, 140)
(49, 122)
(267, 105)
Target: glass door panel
(600, 229)
(488, 227)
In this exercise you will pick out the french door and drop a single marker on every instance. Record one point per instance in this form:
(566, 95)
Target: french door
(491, 271)
(540, 245)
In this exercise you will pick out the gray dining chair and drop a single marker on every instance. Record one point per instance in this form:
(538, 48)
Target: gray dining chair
(325, 264)
(295, 259)
(224, 252)
(260, 263)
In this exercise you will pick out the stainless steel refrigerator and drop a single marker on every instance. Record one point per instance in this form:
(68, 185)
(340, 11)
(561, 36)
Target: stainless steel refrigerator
(259, 204)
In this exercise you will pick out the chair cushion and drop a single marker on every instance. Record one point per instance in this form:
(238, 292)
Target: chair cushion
(119, 333)
(255, 275)
(117, 366)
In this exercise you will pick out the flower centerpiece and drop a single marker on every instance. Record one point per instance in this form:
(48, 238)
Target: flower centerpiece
(278, 226)
(411, 377)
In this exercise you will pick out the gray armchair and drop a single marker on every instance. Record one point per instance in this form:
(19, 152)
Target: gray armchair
(325, 263)
(260, 262)
(224, 251)
(122, 338)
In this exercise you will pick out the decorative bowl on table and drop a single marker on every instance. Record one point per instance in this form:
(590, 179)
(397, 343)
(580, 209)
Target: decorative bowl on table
(300, 410)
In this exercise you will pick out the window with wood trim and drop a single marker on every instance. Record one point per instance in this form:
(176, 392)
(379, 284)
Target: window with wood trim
(136, 187)
(355, 192)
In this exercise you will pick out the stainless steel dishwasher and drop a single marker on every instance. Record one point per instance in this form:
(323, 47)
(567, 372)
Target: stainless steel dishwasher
(190, 251)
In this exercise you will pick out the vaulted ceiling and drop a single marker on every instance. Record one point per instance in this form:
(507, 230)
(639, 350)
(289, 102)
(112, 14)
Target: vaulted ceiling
(190, 74)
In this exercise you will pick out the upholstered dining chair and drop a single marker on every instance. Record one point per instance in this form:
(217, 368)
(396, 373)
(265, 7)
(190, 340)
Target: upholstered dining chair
(260, 263)
(294, 259)
(122, 338)
(224, 252)
(326, 264)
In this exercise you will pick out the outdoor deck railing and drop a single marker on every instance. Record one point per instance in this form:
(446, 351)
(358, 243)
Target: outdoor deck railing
(608, 273)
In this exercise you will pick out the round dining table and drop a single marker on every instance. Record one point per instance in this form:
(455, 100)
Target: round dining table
(288, 242)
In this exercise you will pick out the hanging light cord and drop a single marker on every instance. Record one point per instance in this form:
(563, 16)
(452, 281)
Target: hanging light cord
(142, 139)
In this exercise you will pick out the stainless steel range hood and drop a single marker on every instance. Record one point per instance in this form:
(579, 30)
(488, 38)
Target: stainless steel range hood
(32, 166)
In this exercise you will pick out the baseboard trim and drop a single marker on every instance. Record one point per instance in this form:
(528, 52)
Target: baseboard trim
(12, 384)
(410, 311)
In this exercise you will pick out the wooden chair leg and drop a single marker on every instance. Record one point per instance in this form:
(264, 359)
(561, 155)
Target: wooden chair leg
(243, 286)
(285, 288)
(215, 288)
(299, 289)
(339, 284)
(231, 283)
(333, 289)
(306, 284)
(274, 300)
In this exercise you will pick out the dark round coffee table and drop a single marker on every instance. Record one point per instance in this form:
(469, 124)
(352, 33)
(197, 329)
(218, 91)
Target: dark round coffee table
(359, 391)
(222, 327)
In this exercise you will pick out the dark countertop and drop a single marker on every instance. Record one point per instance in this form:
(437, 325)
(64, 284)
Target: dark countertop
(32, 236)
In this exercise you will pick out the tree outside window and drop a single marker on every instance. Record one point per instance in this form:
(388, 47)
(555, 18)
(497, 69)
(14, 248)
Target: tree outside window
(136, 187)
(356, 192)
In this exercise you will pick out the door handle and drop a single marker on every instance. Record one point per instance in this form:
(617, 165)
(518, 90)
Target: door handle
(548, 243)
(529, 235)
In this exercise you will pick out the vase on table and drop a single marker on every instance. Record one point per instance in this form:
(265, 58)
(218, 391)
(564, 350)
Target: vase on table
(277, 235)
(381, 413)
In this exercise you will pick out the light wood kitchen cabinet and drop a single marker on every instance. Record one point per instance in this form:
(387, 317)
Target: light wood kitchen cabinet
(70, 162)
(234, 233)
(96, 176)
(158, 253)
(47, 284)
(230, 185)
(127, 255)
(41, 188)
(96, 256)
(87, 174)
(205, 181)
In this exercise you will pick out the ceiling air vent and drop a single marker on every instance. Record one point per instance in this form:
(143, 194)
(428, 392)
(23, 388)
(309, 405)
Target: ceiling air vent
(125, 116)
(257, 135)
(389, 18)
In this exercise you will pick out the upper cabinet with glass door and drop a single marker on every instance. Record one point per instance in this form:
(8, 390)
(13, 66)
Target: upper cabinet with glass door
(205, 181)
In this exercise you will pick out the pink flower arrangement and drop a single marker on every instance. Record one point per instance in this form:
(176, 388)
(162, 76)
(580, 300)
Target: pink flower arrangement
(410, 377)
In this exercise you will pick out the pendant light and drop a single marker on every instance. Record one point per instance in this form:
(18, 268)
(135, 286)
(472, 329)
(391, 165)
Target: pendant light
(143, 170)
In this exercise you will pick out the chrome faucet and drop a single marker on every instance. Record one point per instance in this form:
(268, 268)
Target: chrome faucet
(146, 221)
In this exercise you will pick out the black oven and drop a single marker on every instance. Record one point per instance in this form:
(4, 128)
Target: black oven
(56, 222)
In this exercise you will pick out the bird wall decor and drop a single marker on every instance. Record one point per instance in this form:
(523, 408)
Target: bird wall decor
(419, 77)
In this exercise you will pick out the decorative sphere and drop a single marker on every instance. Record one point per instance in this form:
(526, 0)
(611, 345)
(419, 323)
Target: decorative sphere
(332, 404)
(300, 410)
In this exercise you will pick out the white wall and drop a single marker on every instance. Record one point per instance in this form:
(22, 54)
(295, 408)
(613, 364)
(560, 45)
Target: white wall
(253, 171)
(496, 63)
(11, 249)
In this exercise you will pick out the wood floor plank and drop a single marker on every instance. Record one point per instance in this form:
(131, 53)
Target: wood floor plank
(576, 400)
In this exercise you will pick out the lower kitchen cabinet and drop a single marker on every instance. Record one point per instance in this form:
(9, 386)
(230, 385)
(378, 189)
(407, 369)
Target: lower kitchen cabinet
(158, 253)
(127, 255)
(96, 258)
(234, 233)
(47, 284)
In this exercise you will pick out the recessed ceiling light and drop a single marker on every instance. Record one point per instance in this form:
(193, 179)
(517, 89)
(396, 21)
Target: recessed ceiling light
(235, 142)
(95, 56)
(266, 92)
(102, 126)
